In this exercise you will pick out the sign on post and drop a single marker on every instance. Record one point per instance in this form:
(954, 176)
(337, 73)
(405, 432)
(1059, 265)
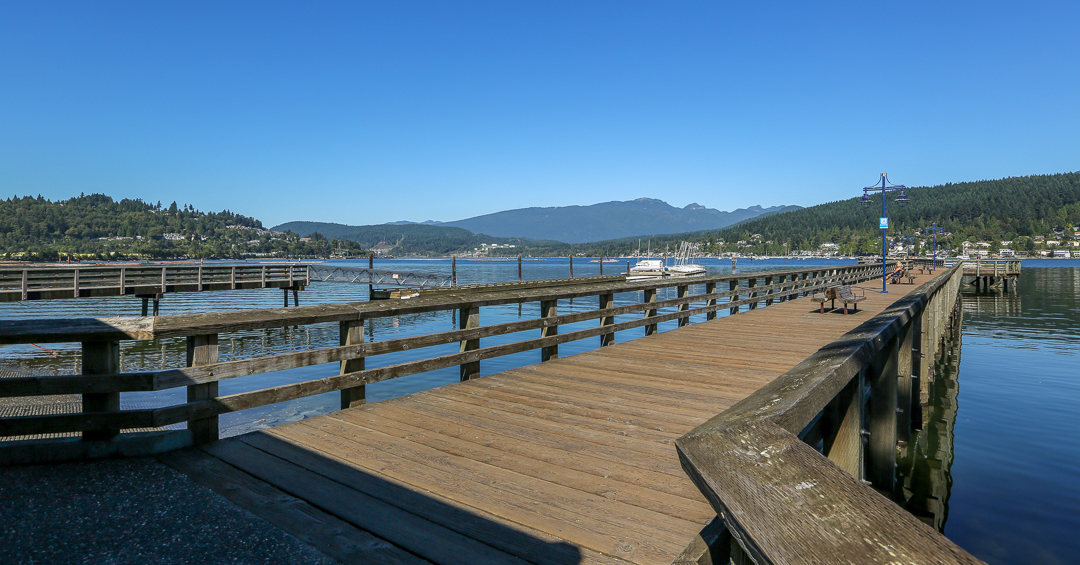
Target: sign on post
(883, 223)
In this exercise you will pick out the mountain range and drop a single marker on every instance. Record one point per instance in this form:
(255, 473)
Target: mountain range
(603, 221)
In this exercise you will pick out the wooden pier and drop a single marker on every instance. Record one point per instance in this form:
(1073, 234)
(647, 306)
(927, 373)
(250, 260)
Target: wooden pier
(572, 460)
(149, 282)
(981, 273)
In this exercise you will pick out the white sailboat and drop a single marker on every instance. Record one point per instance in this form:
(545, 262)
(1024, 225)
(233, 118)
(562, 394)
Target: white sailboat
(646, 268)
(684, 263)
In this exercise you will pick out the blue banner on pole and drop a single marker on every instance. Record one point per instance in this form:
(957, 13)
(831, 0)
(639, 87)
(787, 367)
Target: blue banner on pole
(884, 223)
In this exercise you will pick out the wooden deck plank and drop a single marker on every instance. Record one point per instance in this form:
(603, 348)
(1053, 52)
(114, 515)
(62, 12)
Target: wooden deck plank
(332, 536)
(491, 496)
(595, 462)
(599, 485)
(568, 459)
(404, 529)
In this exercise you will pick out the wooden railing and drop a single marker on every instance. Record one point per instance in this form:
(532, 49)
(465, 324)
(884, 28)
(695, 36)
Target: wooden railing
(802, 471)
(977, 267)
(101, 382)
(52, 282)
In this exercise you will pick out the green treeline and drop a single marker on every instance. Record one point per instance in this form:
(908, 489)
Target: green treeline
(1011, 209)
(1030, 212)
(420, 239)
(97, 227)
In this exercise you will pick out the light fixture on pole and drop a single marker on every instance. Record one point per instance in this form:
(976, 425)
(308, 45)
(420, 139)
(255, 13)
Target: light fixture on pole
(883, 222)
(934, 229)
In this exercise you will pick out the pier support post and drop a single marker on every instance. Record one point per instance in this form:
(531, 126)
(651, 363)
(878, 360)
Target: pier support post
(709, 289)
(469, 318)
(650, 297)
(549, 309)
(607, 300)
(145, 306)
(157, 305)
(100, 358)
(202, 350)
(683, 292)
(881, 449)
(351, 332)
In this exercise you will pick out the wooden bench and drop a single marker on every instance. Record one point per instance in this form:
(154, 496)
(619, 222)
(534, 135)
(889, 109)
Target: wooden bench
(829, 294)
(843, 293)
(905, 274)
(847, 296)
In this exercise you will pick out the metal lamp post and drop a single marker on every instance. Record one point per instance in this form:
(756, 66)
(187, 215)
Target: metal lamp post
(902, 200)
(908, 240)
(934, 229)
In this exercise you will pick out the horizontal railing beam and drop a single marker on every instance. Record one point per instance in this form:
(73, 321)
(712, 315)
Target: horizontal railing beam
(161, 380)
(185, 325)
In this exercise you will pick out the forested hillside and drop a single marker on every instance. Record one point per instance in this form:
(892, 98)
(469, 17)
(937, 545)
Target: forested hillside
(96, 226)
(1010, 209)
(403, 239)
(607, 220)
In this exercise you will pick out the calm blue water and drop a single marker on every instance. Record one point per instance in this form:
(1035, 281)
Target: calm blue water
(1015, 472)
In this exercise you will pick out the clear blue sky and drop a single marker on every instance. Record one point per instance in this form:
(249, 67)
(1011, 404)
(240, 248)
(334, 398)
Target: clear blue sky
(372, 112)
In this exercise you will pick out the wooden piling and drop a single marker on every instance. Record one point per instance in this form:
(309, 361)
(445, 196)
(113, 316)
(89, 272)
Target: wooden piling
(469, 318)
(100, 358)
(351, 332)
(549, 309)
(202, 350)
(607, 300)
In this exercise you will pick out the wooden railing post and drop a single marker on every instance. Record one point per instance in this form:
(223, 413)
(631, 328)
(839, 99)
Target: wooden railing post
(751, 283)
(263, 276)
(733, 285)
(202, 350)
(549, 309)
(607, 301)
(164, 274)
(199, 285)
(468, 318)
(710, 288)
(232, 277)
(881, 448)
(783, 288)
(100, 358)
(683, 292)
(904, 373)
(768, 282)
(650, 297)
(25, 286)
(351, 332)
(123, 286)
(842, 423)
(918, 371)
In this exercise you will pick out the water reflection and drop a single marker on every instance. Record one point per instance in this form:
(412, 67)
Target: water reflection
(997, 468)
